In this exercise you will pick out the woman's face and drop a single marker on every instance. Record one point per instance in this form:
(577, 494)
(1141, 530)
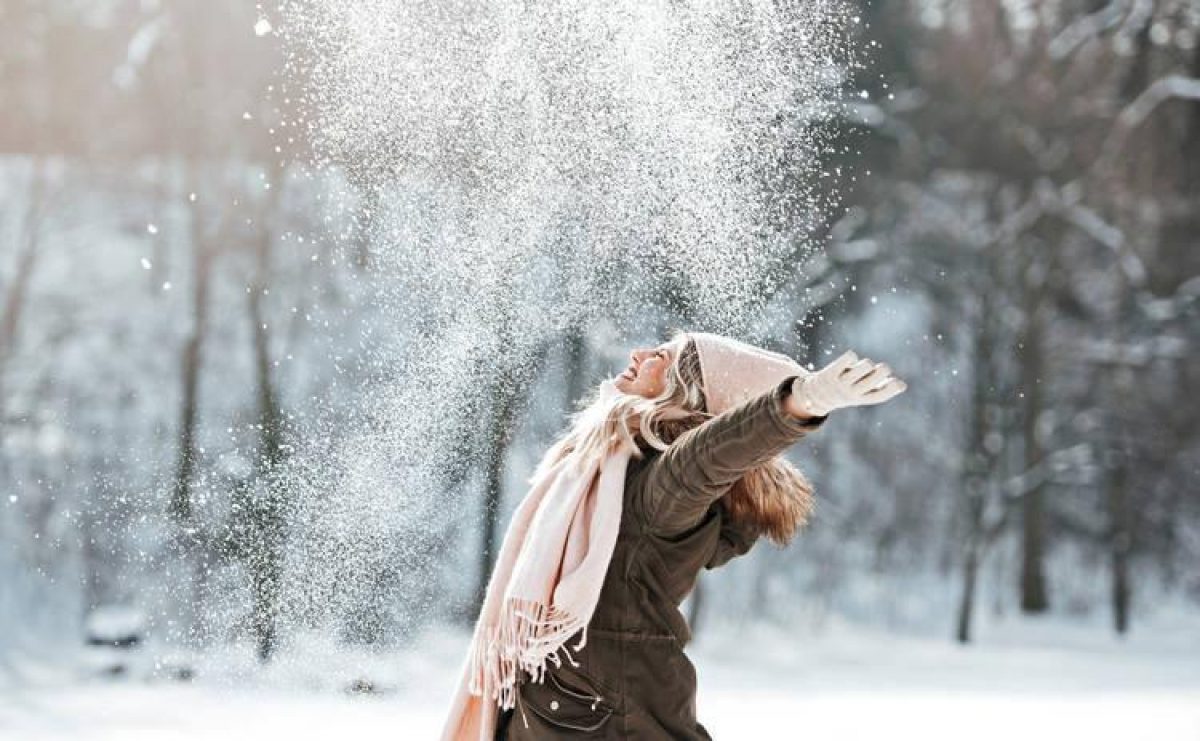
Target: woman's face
(647, 372)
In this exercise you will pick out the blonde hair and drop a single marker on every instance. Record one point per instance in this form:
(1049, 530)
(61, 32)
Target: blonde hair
(774, 499)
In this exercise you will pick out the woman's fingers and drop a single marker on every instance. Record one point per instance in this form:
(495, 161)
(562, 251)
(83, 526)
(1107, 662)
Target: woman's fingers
(881, 393)
(844, 365)
(879, 372)
(843, 362)
(861, 371)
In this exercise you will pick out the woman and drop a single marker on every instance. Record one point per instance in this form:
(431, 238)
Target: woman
(672, 467)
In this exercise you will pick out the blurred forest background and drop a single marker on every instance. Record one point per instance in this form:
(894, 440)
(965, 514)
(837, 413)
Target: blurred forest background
(183, 292)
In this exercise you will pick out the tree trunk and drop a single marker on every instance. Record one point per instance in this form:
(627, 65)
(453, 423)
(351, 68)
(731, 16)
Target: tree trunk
(366, 216)
(202, 259)
(510, 389)
(966, 604)
(265, 551)
(1121, 541)
(1120, 512)
(1033, 521)
(979, 464)
(17, 291)
(498, 440)
(188, 542)
(576, 362)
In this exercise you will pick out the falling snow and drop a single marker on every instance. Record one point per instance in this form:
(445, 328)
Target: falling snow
(536, 167)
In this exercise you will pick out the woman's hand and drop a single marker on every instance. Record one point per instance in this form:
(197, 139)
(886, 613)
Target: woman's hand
(846, 382)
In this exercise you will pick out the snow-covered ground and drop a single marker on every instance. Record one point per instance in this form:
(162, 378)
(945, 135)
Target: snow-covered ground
(1030, 680)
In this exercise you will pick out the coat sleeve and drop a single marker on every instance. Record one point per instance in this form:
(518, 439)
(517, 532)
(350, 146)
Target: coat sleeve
(702, 465)
(733, 541)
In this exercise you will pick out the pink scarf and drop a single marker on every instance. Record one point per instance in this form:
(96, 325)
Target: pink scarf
(544, 586)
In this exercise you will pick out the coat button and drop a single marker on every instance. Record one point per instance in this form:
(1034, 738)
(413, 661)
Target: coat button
(554, 704)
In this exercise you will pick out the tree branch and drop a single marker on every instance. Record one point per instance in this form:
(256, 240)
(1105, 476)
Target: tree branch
(1140, 108)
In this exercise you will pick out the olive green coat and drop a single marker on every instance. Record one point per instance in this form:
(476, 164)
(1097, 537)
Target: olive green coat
(634, 681)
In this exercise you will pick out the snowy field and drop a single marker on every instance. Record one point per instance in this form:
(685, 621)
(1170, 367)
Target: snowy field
(1034, 681)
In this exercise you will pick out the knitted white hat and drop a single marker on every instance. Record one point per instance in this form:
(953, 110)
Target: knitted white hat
(733, 371)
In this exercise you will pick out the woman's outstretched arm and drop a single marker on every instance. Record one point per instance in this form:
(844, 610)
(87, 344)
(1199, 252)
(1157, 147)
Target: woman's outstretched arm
(706, 461)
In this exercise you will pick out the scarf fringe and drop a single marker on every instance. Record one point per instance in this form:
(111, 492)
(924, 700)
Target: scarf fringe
(528, 634)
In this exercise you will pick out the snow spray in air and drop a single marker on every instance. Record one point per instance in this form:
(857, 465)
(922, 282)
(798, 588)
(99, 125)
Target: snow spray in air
(519, 171)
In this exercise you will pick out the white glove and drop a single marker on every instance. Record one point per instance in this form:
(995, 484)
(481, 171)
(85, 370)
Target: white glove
(846, 382)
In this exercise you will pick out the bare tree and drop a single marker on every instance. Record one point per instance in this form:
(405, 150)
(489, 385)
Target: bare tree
(18, 289)
(266, 511)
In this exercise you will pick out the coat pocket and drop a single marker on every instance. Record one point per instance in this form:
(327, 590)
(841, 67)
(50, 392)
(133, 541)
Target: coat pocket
(567, 703)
